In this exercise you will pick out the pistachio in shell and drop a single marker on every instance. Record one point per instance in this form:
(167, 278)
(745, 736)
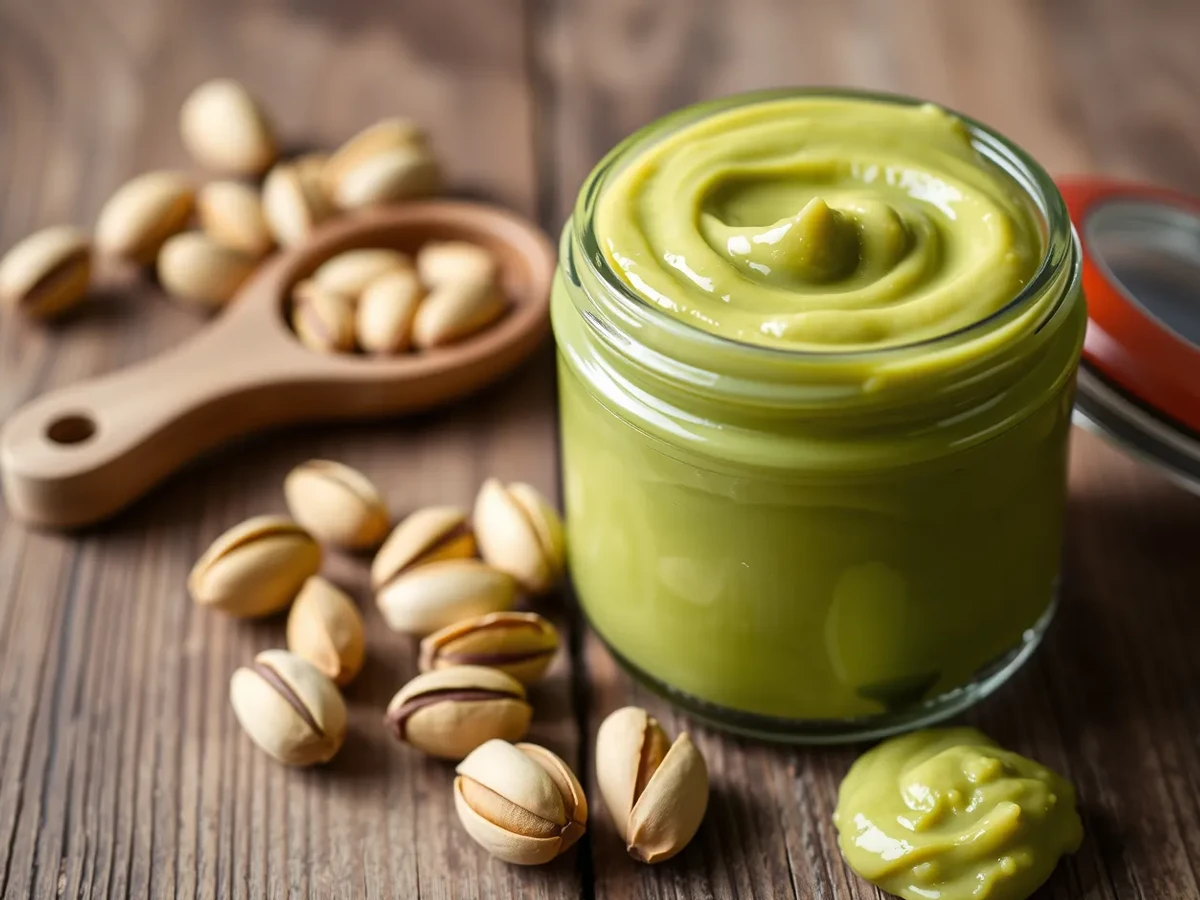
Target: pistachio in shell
(655, 791)
(450, 712)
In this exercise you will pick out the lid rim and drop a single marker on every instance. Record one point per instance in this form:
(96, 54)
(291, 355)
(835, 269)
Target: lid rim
(1132, 348)
(1137, 431)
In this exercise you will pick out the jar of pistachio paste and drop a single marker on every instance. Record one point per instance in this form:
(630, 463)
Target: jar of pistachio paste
(816, 362)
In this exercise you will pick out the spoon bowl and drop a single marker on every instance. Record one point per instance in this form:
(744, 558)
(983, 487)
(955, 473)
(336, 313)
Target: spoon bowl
(77, 455)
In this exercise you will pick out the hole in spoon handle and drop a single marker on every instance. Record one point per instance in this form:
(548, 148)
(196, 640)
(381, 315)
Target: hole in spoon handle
(79, 454)
(70, 429)
(57, 458)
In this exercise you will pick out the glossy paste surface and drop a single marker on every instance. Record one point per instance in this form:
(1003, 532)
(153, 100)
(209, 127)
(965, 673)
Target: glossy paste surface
(946, 814)
(819, 222)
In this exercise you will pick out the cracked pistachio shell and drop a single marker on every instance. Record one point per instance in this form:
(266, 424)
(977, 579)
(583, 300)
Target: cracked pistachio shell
(337, 504)
(226, 130)
(450, 712)
(350, 271)
(520, 533)
(387, 134)
(511, 804)
(142, 214)
(195, 268)
(288, 708)
(457, 310)
(392, 175)
(255, 568)
(386, 309)
(655, 793)
(518, 643)
(325, 628)
(311, 165)
(428, 597)
(47, 273)
(443, 262)
(231, 213)
(322, 320)
(294, 202)
(573, 797)
(425, 536)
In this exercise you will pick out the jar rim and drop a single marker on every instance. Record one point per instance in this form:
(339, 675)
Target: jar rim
(1010, 157)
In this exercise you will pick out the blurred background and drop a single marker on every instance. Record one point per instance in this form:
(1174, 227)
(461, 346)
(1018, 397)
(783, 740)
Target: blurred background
(522, 96)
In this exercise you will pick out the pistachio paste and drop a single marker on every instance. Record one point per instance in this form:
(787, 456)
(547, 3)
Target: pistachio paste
(948, 813)
(819, 223)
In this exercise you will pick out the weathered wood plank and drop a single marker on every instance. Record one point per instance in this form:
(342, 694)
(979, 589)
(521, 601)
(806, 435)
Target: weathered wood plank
(122, 770)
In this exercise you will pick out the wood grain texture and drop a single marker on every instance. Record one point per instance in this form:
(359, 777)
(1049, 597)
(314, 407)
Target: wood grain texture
(122, 771)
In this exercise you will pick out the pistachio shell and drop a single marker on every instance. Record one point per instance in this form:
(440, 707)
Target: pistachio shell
(451, 729)
(630, 746)
(456, 310)
(546, 522)
(225, 129)
(255, 568)
(47, 273)
(519, 849)
(459, 678)
(450, 712)
(142, 214)
(668, 813)
(325, 628)
(518, 643)
(322, 320)
(573, 797)
(445, 262)
(511, 800)
(337, 504)
(517, 778)
(656, 795)
(312, 165)
(231, 213)
(386, 309)
(289, 709)
(388, 134)
(427, 535)
(195, 268)
(350, 271)
(398, 174)
(520, 533)
(294, 203)
(433, 595)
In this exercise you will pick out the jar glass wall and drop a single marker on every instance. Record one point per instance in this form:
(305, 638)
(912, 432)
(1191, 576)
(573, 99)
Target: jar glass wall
(816, 545)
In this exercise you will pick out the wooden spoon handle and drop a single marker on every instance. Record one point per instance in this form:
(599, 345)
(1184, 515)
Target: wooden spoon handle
(76, 455)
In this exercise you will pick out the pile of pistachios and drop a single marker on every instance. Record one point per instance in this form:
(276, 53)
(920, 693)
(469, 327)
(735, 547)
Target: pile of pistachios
(204, 243)
(454, 581)
(378, 301)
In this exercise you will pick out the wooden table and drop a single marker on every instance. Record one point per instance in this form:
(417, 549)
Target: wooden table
(122, 770)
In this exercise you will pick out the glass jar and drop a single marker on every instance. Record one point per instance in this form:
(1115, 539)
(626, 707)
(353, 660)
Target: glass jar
(816, 546)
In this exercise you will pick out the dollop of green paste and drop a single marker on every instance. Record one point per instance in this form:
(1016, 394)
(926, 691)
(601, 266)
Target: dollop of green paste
(946, 814)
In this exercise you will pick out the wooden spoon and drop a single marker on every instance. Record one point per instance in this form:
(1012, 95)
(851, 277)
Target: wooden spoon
(77, 455)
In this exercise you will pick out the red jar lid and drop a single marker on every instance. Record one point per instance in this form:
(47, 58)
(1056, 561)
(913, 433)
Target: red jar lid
(1140, 376)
